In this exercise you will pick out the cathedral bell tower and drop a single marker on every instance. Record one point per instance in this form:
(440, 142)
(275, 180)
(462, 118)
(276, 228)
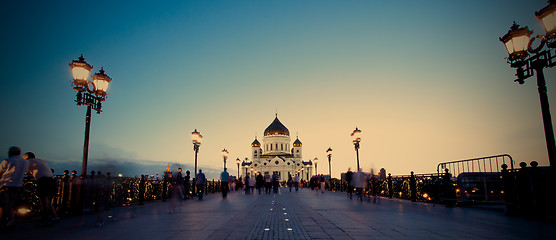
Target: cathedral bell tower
(256, 150)
(296, 151)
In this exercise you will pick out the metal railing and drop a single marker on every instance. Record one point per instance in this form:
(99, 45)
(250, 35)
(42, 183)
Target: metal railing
(481, 165)
(476, 180)
(77, 196)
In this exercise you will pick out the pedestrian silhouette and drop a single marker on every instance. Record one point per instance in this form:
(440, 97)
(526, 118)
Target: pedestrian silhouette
(413, 187)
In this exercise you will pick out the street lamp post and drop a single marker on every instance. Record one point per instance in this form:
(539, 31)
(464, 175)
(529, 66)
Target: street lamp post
(356, 134)
(518, 43)
(225, 156)
(86, 96)
(329, 154)
(238, 162)
(197, 138)
(316, 160)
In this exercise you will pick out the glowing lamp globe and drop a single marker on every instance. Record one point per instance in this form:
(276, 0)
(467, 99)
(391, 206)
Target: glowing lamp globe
(101, 82)
(80, 71)
(329, 151)
(547, 16)
(196, 137)
(516, 42)
(356, 134)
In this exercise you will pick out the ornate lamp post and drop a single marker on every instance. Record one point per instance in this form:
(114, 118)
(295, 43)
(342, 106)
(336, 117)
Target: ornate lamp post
(356, 134)
(197, 138)
(87, 96)
(316, 160)
(238, 163)
(519, 45)
(225, 156)
(329, 154)
(307, 171)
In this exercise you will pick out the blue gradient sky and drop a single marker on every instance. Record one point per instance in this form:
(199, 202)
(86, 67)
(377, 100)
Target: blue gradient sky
(426, 81)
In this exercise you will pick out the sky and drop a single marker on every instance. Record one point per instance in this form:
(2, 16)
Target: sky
(425, 81)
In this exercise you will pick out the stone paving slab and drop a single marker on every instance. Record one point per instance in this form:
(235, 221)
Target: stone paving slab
(310, 214)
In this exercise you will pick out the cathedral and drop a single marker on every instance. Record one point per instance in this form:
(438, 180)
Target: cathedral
(277, 154)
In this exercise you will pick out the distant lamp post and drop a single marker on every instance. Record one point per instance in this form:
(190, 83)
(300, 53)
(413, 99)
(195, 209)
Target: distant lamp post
(197, 138)
(238, 163)
(356, 134)
(329, 154)
(80, 70)
(520, 45)
(316, 160)
(225, 156)
(246, 170)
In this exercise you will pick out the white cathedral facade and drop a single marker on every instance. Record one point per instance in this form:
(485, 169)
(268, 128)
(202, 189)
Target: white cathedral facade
(277, 154)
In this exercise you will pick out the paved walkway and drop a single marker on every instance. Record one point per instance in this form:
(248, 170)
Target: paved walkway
(297, 215)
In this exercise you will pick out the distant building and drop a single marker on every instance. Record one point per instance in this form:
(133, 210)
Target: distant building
(277, 154)
(382, 173)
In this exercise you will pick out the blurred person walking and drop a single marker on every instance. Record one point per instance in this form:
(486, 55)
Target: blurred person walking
(290, 182)
(200, 181)
(322, 184)
(179, 184)
(187, 184)
(349, 180)
(267, 182)
(359, 182)
(252, 184)
(296, 182)
(246, 183)
(259, 182)
(224, 183)
(12, 172)
(46, 187)
(275, 182)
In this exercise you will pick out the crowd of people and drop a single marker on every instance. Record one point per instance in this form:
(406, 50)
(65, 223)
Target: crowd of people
(12, 172)
(266, 183)
(72, 193)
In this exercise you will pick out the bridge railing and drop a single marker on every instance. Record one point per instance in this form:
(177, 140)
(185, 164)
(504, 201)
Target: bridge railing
(476, 165)
(77, 195)
(475, 180)
(426, 187)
